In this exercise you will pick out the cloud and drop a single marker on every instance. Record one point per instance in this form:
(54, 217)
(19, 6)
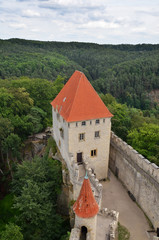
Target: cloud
(102, 21)
(149, 12)
(30, 13)
(17, 25)
(35, 30)
(100, 24)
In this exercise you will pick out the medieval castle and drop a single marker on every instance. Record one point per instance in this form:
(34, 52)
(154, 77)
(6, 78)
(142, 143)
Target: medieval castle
(82, 131)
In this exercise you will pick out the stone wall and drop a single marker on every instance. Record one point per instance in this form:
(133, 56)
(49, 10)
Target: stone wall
(140, 177)
(114, 216)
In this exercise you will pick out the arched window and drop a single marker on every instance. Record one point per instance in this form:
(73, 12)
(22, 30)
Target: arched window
(83, 233)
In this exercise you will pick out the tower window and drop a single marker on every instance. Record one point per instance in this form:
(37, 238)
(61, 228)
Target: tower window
(104, 120)
(81, 136)
(97, 134)
(58, 116)
(83, 123)
(97, 121)
(76, 124)
(62, 132)
(94, 153)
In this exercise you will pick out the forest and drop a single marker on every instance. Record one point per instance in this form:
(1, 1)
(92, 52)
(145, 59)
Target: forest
(32, 73)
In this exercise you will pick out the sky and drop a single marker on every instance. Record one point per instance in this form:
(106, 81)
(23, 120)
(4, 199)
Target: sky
(97, 21)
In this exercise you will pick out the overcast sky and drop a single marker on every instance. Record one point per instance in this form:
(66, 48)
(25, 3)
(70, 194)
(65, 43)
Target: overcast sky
(99, 21)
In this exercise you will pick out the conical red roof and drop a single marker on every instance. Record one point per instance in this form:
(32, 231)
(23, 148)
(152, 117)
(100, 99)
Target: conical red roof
(86, 205)
(79, 101)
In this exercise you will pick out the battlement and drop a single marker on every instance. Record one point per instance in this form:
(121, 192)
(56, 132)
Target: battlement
(110, 220)
(138, 174)
(95, 183)
(150, 168)
(75, 234)
(114, 223)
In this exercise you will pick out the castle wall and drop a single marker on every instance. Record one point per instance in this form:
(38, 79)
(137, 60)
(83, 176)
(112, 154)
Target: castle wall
(99, 163)
(60, 124)
(139, 176)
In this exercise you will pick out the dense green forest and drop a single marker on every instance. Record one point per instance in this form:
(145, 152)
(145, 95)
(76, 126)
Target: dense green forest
(128, 72)
(31, 74)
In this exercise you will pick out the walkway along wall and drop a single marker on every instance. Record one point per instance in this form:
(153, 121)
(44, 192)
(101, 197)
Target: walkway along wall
(140, 177)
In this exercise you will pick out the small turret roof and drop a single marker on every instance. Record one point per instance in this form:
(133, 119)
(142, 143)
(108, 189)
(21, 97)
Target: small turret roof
(78, 100)
(86, 205)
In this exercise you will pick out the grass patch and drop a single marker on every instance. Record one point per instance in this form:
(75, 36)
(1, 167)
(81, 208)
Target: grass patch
(123, 233)
(7, 213)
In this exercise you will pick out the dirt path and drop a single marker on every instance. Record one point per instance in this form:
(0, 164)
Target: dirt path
(116, 198)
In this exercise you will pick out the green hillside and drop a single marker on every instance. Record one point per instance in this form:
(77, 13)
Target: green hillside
(128, 72)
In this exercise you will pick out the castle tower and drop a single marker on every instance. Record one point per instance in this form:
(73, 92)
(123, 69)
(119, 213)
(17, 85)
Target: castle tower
(86, 210)
(81, 125)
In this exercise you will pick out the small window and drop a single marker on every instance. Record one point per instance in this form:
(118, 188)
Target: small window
(58, 116)
(76, 124)
(83, 123)
(90, 122)
(81, 136)
(97, 134)
(104, 120)
(94, 153)
(97, 121)
(68, 125)
(62, 132)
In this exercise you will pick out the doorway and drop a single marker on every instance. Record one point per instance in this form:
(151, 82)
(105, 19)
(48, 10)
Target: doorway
(79, 158)
(83, 233)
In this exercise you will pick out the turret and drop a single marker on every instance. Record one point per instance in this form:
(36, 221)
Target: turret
(86, 210)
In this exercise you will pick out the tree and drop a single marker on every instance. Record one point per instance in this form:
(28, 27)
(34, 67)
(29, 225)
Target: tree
(121, 122)
(12, 232)
(37, 118)
(36, 185)
(107, 99)
(145, 140)
(11, 147)
(5, 129)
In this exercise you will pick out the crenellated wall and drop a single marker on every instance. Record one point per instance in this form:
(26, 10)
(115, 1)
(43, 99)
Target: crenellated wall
(139, 175)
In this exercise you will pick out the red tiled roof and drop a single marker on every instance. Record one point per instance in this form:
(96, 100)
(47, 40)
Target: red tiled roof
(86, 205)
(79, 101)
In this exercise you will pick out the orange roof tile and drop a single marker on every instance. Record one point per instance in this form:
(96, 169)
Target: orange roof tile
(79, 101)
(86, 205)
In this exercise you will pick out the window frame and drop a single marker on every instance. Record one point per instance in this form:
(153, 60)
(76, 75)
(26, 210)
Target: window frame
(83, 123)
(81, 139)
(97, 121)
(62, 132)
(97, 134)
(93, 153)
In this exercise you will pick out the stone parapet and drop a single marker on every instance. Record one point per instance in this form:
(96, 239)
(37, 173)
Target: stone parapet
(95, 183)
(114, 223)
(75, 234)
(150, 168)
(139, 176)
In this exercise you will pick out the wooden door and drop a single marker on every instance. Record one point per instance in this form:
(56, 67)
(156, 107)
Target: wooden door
(79, 158)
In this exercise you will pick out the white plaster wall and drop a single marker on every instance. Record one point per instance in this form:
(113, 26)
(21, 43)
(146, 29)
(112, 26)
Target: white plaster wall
(89, 223)
(100, 162)
(57, 124)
